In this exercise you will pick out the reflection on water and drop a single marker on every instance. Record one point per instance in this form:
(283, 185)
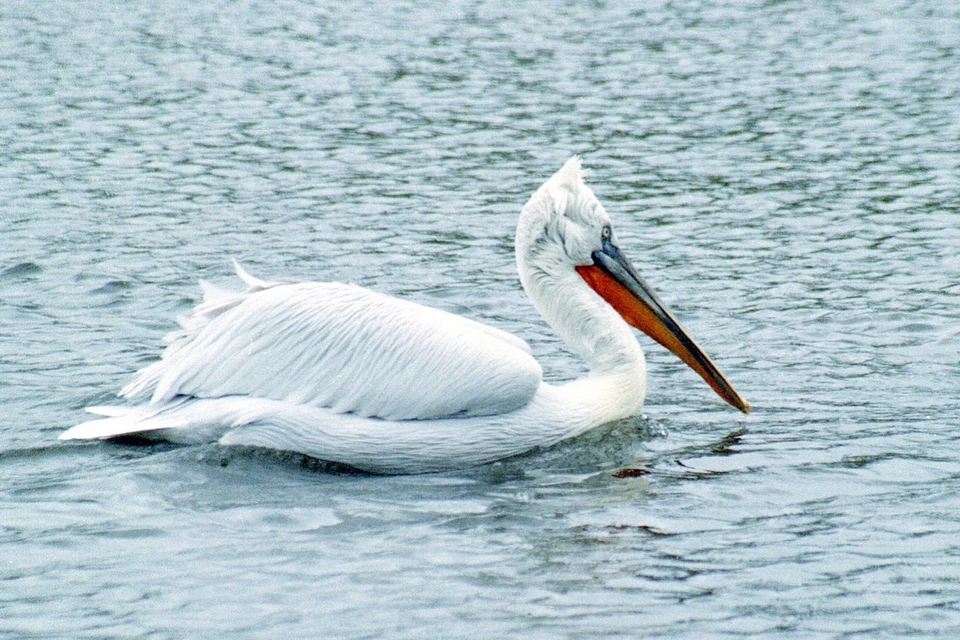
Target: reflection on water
(787, 176)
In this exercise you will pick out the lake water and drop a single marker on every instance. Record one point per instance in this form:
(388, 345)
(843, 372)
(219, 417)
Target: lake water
(787, 174)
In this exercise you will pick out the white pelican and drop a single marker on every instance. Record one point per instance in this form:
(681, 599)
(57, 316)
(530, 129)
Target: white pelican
(345, 374)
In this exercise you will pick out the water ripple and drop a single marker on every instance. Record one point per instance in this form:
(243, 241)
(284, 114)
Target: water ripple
(786, 174)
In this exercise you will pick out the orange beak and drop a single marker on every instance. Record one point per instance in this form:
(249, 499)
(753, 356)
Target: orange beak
(616, 280)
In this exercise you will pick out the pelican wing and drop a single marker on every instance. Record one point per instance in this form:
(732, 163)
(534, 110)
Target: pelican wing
(344, 348)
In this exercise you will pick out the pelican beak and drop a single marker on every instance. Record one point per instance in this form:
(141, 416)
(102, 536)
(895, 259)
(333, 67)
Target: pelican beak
(616, 280)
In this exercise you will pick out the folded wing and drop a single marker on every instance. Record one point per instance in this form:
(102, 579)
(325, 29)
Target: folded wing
(344, 348)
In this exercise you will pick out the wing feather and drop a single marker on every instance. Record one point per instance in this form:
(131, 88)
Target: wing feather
(341, 347)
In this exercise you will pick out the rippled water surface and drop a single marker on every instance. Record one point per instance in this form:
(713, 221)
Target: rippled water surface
(787, 174)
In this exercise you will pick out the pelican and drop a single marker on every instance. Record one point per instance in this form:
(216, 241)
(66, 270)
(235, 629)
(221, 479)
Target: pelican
(348, 375)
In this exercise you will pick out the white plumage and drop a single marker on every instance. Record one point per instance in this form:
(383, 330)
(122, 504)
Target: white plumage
(342, 347)
(349, 375)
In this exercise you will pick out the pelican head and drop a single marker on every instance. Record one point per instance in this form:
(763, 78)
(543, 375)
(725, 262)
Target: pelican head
(574, 272)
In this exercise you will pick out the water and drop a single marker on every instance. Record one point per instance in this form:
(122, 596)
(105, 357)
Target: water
(787, 174)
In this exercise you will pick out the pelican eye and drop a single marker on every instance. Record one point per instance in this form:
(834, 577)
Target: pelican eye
(606, 232)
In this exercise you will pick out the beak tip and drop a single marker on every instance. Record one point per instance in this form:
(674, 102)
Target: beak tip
(745, 407)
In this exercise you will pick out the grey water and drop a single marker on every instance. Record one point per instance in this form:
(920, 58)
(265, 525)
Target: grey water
(786, 174)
